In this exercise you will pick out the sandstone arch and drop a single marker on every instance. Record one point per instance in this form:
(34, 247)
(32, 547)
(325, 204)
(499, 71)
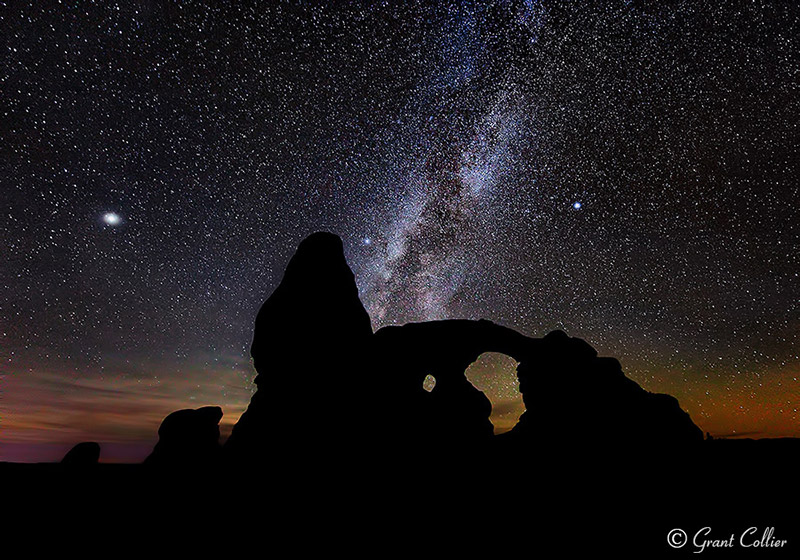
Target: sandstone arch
(363, 392)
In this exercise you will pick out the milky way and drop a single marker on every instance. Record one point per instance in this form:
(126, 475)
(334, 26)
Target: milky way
(625, 171)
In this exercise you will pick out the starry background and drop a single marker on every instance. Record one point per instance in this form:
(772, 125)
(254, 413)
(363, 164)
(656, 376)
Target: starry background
(625, 171)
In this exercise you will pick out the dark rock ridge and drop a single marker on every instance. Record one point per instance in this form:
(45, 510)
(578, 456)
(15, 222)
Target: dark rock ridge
(83, 454)
(188, 437)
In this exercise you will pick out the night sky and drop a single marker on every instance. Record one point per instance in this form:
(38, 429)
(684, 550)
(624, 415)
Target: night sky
(625, 171)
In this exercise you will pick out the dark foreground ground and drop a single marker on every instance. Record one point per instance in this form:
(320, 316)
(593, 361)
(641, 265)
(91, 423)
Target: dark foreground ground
(575, 505)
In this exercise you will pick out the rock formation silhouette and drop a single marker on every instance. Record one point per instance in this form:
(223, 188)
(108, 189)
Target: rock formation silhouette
(327, 385)
(311, 350)
(188, 437)
(83, 454)
(573, 397)
(454, 415)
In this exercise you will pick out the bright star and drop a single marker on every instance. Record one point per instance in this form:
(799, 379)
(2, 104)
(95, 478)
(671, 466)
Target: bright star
(112, 218)
(577, 205)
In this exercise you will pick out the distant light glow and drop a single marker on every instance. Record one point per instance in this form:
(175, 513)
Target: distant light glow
(577, 205)
(112, 219)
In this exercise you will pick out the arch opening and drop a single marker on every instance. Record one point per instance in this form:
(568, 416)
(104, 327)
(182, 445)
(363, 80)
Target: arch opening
(495, 374)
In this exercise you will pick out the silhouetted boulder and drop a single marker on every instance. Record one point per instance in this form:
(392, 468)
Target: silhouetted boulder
(83, 454)
(310, 349)
(188, 437)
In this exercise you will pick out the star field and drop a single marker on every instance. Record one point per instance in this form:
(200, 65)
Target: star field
(626, 171)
